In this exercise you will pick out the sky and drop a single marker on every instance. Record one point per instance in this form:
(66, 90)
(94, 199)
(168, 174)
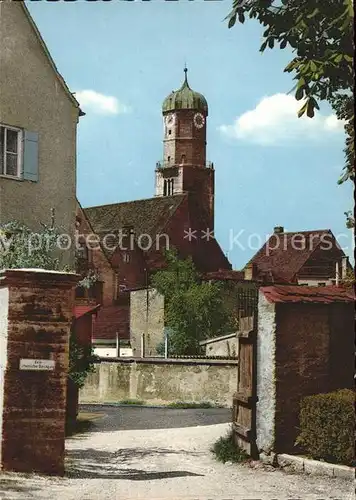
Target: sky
(123, 58)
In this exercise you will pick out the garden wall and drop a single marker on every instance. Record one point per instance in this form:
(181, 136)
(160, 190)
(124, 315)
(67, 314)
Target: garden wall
(162, 381)
(304, 347)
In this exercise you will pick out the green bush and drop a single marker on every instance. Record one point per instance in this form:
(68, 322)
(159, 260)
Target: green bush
(138, 402)
(327, 426)
(225, 450)
(190, 404)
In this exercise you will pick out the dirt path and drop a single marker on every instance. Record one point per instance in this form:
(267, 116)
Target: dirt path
(166, 464)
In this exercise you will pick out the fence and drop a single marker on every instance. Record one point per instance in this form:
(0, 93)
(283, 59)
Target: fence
(247, 301)
(245, 397)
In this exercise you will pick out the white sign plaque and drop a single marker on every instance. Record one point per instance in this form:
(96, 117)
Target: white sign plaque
(37, 364)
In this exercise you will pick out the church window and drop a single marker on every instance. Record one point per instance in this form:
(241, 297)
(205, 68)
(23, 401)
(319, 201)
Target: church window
(80, 292)
(169, 132)
(168, 187)
(183, 159)
(126, 257)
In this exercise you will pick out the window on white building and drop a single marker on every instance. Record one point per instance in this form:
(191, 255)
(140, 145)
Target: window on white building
(18, 153)
(10, 151)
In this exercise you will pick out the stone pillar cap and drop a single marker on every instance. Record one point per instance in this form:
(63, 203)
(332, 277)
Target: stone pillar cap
(38, 275)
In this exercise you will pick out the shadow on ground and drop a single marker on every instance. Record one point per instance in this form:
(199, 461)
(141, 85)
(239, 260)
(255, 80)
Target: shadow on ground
(99, 464)
(12, 488)
(79, 428)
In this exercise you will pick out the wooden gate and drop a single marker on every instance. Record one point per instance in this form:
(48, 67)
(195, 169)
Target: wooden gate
(245, 398)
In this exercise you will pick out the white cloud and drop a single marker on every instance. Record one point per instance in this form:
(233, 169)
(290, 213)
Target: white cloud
(101, 104)
(274, 121)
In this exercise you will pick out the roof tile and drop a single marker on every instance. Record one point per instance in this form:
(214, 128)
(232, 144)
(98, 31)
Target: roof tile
(147, 216)
(307, 294)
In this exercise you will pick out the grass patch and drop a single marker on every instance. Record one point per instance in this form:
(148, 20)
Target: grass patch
(132, 402)
(225, 450)
(186, 405)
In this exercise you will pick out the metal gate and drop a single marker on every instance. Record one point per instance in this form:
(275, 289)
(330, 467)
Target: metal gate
(245, 398)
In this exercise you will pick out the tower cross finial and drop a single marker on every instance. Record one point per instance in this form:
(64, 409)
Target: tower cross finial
(185, 72)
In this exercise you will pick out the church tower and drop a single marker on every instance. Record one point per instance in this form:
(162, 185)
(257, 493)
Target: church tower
(184, 167)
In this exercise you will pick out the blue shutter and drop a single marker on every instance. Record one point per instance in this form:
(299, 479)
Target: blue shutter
(30, 156)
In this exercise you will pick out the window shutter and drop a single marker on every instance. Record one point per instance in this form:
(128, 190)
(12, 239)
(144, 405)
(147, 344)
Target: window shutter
(30, 156)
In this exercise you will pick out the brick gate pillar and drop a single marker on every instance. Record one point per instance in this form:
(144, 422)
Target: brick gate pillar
(36, 309)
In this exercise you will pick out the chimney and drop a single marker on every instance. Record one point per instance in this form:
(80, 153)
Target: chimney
(344, 266)
(337, 274)
(278, 230)
(250, 271)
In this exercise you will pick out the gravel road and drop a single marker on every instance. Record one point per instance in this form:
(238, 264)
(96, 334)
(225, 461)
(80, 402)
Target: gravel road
(156, 464)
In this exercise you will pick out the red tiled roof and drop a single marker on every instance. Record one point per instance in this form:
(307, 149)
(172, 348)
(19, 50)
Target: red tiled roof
(112, 320)
(281, 259)
(225, 275)
(295, 294)
(146, 216)
(80, 311)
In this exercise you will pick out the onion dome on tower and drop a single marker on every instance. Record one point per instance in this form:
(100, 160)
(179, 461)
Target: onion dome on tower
(185, 98)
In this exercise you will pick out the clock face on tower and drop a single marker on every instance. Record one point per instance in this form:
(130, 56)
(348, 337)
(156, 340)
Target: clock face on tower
(170, 120)
(199, 120)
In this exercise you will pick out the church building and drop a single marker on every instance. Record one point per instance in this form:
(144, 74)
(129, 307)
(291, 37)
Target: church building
(134, 235)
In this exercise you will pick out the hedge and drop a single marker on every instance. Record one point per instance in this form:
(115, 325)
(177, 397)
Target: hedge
(327, 426)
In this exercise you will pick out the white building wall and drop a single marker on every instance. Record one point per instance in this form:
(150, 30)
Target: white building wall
(266, 382)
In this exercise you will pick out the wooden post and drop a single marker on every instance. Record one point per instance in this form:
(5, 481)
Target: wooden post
(165, 343)
(143, 345)
(117, 345)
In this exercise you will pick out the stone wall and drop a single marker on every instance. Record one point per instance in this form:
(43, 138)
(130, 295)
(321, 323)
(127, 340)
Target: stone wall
(36, 310)
(266, 377)
(161, 381)
(146, 317)
(222, 346)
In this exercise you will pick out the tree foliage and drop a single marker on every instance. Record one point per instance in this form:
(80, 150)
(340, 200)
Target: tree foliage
(81, 360)
(320, 34)
(22, 248)
(194, 309)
